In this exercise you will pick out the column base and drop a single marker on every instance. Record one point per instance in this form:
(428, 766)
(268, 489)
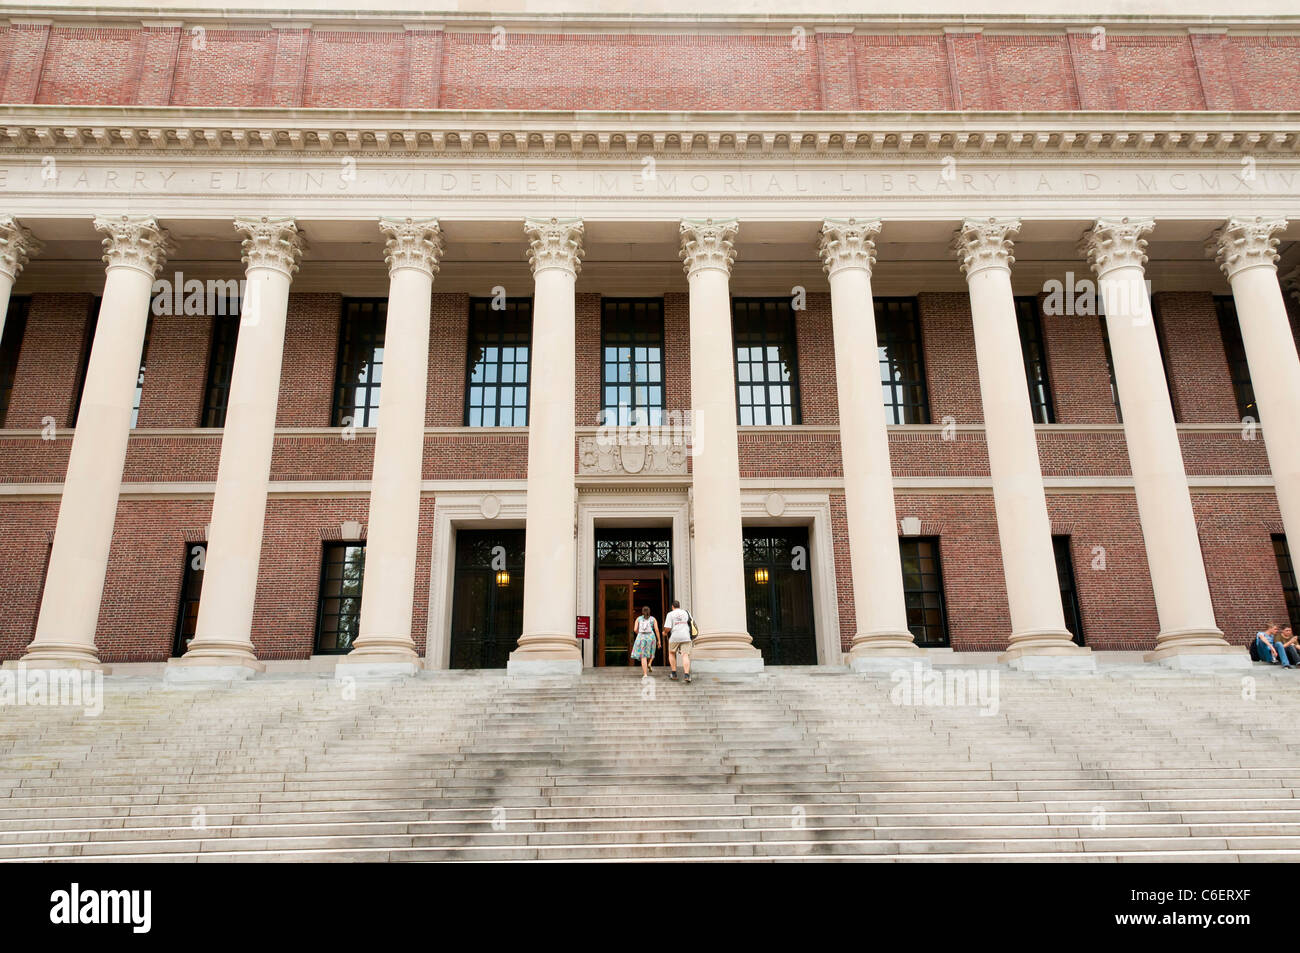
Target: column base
(1048, 651)
(191, 669)
(882, 663)
(1197, 650)
(56, 665)
(542, 667)
(546, 653)
(381, 658)
(69, 655)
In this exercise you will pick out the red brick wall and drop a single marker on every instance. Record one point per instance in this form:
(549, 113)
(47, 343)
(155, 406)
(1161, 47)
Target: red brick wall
(815, 345)
(948, 338)
(1077, 371)
(1198, 367)
(26, 530)
(311, 344)
(176, 371)
(430, 69)
(49, 361)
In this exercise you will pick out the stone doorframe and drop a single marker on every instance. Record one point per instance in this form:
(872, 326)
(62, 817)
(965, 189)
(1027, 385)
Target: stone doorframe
(452, 511)
(765, 507)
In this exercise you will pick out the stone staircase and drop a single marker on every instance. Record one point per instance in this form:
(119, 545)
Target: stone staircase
(1134, 763)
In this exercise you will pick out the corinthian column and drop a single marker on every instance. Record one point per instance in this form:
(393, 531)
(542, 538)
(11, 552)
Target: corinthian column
(222, 647)
(724, 645)
(384, 645)
(548, 645)
(16, 246)
(1246, 250)
(848, 249)
(1039, 638)
(1189, 636)
(134, 250)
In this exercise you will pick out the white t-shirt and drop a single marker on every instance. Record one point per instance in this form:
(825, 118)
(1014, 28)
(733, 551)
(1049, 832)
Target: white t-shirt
(680, 623)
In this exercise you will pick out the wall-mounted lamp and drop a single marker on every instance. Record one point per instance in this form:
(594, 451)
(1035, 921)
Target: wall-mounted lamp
(760, 576)
(503, 579)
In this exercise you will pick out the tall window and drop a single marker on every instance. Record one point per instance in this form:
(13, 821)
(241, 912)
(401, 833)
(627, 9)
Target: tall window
(338, 615)
(632, 345)
(191, 587)
(139, 378)
(360, 368)
(1110, 369)
(902, 368)
(927, 617)
(87, 342)
(778, 594)
(1286, 569)
(15, 327)
(1235, 351)
(496, 391)
(1034, 352)
(221, 362)
(1069, 591)
(767, 369)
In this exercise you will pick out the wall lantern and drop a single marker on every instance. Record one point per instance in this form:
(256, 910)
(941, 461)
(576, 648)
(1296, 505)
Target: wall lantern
(503, 579)
(760, 576)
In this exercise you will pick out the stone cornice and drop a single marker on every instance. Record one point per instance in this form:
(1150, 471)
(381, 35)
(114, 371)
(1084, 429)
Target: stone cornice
(206, 131)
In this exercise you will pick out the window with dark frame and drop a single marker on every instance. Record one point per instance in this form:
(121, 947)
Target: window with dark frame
(767, 365)
(1034, 351)
(338, 613)
(10, 345)
(139, 378)
(632, 361)
(191, 588)
(221, 363)
(360, 368)
(1234, 349)
(1286, 570)
(902, 365)
(1069, 591)
(87, 343)
(1110, 369)
(927, 616)
(497, 364)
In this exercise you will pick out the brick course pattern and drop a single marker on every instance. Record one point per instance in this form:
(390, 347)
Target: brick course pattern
(287, 66)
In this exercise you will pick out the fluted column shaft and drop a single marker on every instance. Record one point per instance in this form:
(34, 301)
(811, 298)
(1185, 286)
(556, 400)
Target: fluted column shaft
(135, 249)
(1189, 636)
(548, 644)
(724, 643)
(1039, 638)
(1247, 253)
(880, 610)
(222, 643)
(384, 644)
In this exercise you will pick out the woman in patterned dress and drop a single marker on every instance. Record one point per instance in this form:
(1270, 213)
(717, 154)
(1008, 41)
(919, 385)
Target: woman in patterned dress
(647, 640)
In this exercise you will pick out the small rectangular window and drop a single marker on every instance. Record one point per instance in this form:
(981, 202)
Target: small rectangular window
(902, 365)
(1069, 591)
(360, 367)
(1034, 352)
(632, 362)
(191, 587)
(10, 345)
(927, 617)
(497, 365)
(767, 366)
(338, 617)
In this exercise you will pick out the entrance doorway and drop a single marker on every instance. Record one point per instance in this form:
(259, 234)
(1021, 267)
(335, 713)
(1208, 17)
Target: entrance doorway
(633, 569)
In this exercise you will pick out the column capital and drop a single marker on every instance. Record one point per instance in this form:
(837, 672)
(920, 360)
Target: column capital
(1116, 243)
(554, 243)
(1245, 243)
(16, 246)
(985, 243)
(274, 243)
(848, 243)
(134, 241)
(707, 244)
(412, 243)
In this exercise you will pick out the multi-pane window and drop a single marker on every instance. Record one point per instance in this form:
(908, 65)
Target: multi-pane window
(360, 362)
(496, 391)
(139, 378)
(15, 327)
(191, 587)
(1110, 369)
(1034, 352)
(927, 618)
(767, 372)
(87, 342)
(338, 616)
(902, 369)
(1069, 591)
(634, 548)
(1235, 351)
(632, 345)
(221, 362)
(1286, 569)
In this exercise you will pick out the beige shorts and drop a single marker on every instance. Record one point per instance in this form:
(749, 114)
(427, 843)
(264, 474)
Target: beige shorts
(680, 648)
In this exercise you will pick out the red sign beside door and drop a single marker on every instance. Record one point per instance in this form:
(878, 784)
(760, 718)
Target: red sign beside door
(584, 626)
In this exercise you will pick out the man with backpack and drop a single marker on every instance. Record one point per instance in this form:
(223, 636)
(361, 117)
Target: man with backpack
(678, 623)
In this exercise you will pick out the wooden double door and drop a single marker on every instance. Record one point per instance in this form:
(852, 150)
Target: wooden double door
(620, 595)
